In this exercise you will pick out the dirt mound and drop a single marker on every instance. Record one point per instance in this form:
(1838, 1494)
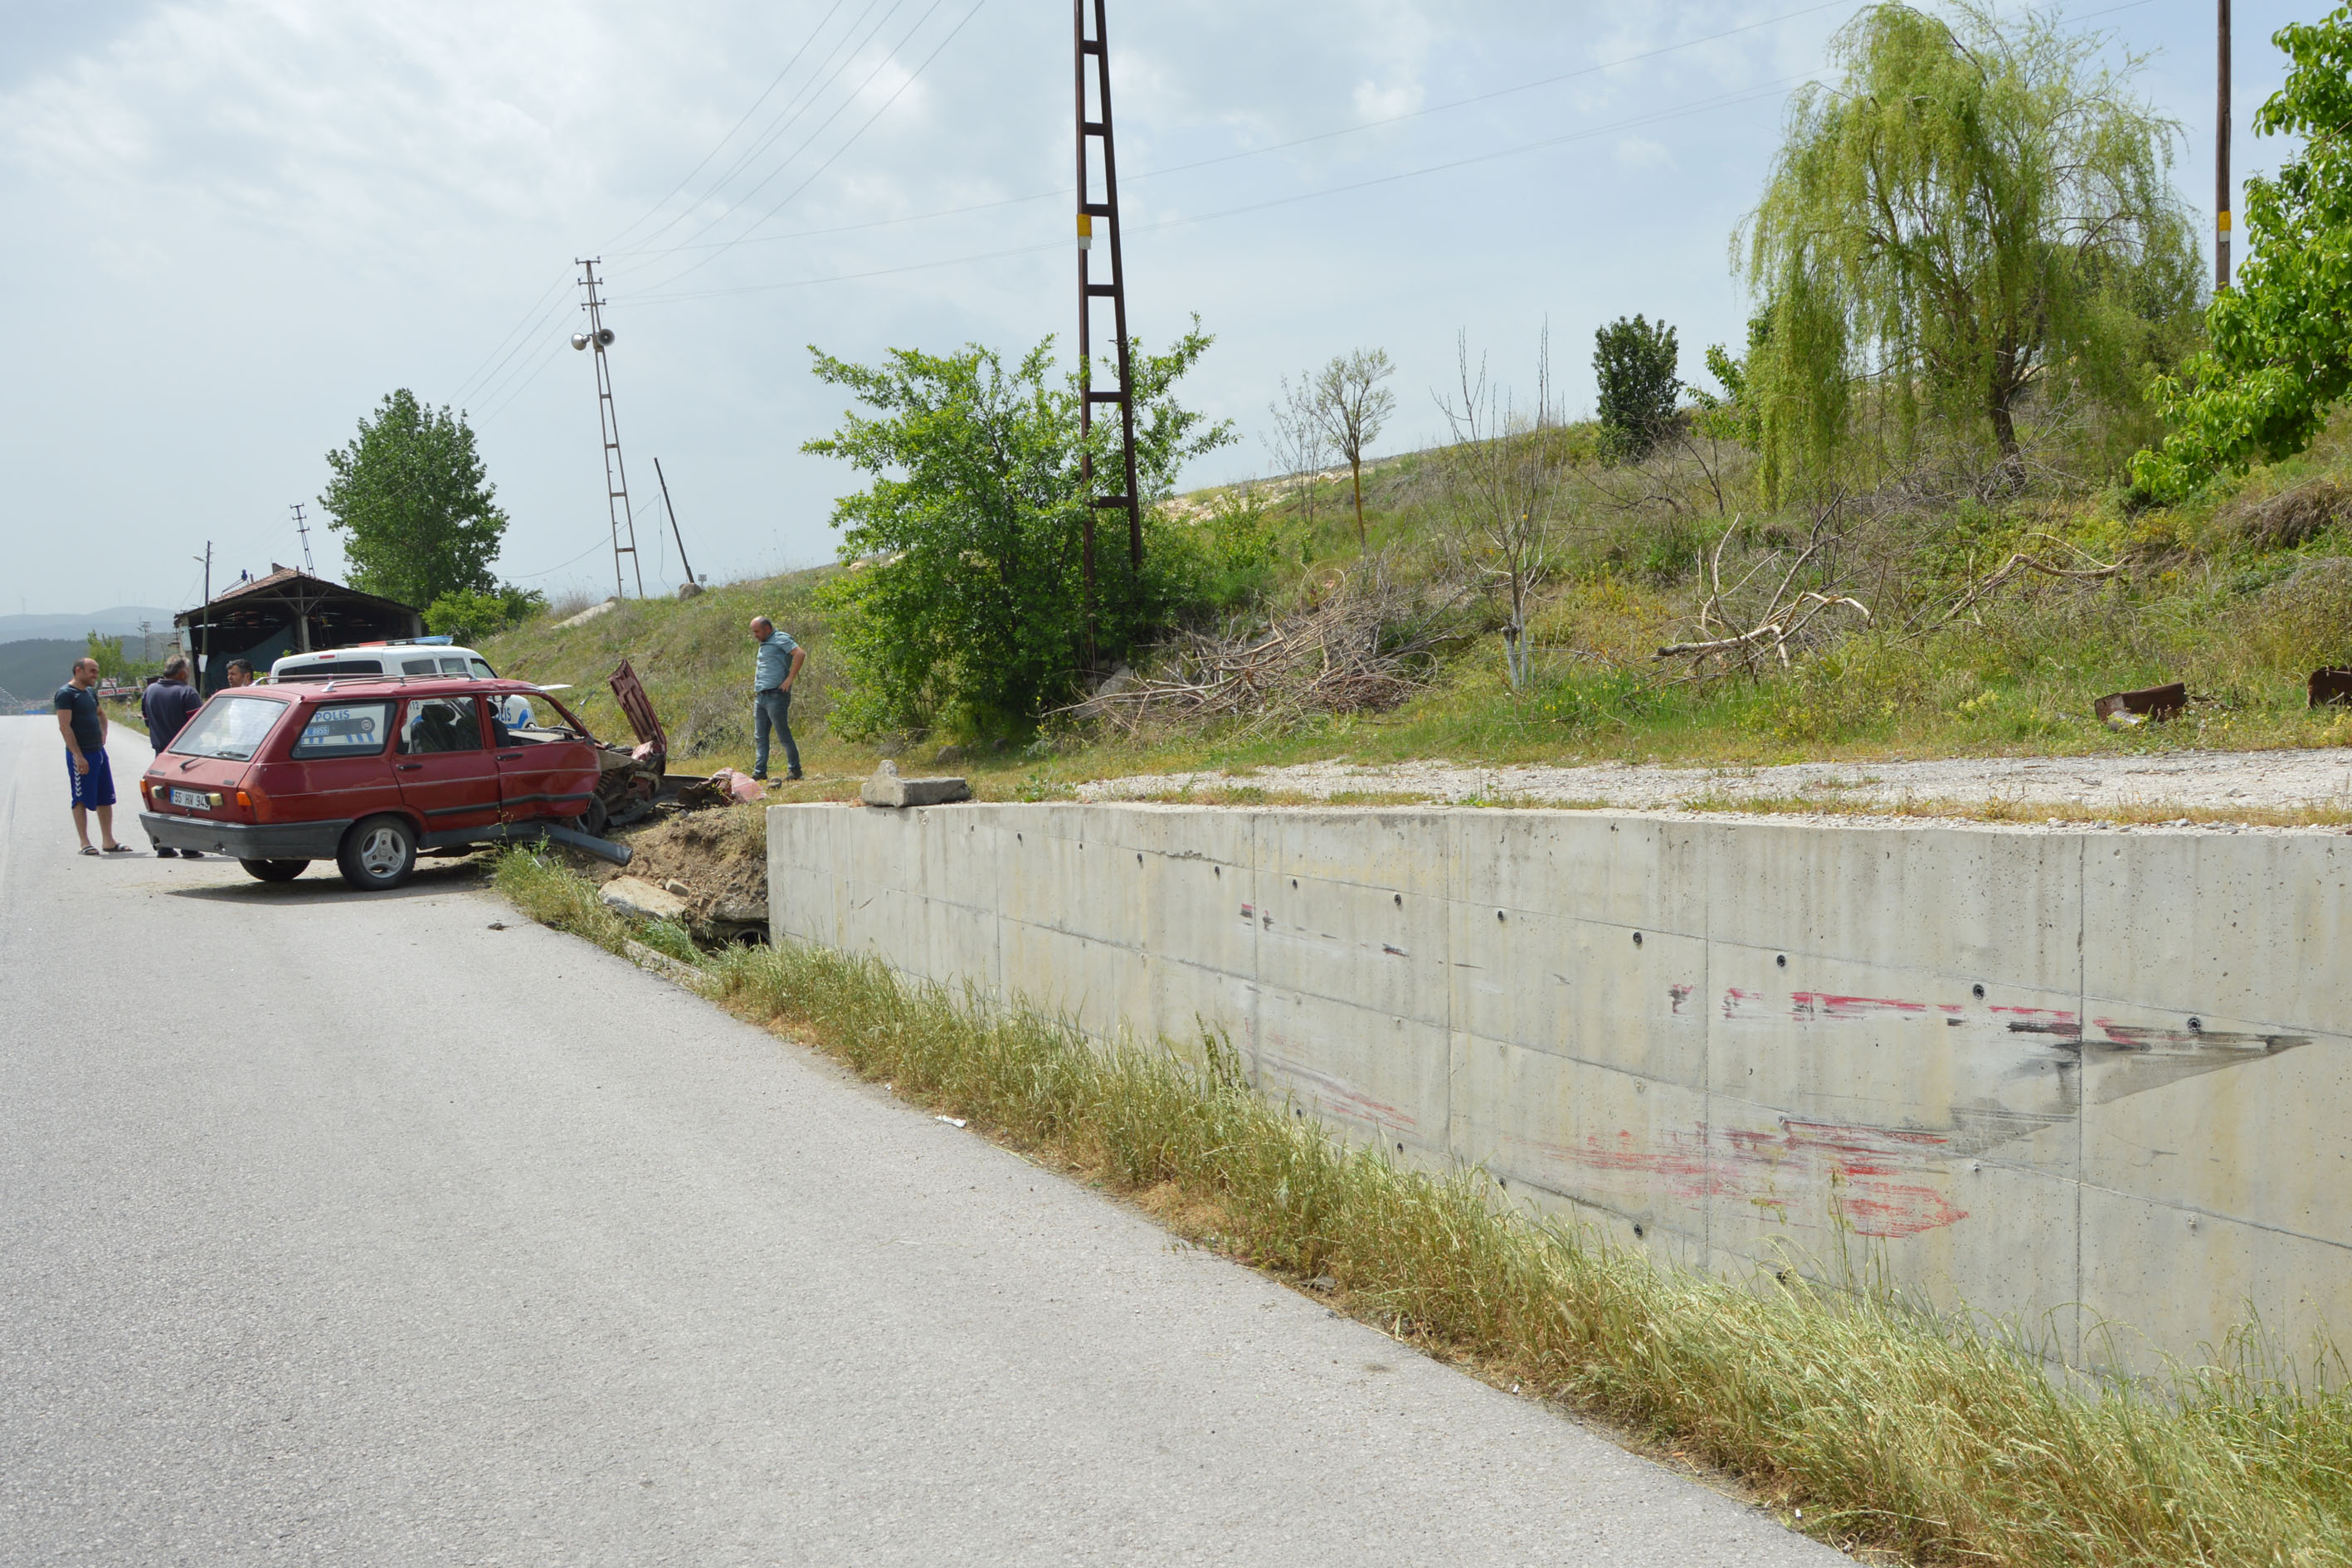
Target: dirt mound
(715, 860)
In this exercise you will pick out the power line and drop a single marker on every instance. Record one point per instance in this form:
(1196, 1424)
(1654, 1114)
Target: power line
(805, 98)
(1277, 146)
(824, 22)
(1720, 101)
(533, 309)
(837, 61)
(852, 139)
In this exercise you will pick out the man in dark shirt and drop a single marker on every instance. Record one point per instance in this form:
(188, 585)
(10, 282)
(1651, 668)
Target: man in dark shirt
(82, 722)
(167, 706)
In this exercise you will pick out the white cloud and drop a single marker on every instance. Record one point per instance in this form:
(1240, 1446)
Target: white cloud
(1640, 152)
(234, 224)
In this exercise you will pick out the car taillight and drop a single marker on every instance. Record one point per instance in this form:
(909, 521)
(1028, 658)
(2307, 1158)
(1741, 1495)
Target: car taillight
(254, 801)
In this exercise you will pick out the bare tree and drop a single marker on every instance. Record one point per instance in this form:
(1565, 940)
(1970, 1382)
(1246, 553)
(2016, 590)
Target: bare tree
(1502, 485)
(1299, 444)
(1350, 404)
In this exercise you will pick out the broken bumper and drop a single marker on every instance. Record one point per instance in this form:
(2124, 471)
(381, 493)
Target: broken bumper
(246, 841)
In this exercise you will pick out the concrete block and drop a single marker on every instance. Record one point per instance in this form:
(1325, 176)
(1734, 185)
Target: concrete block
(887, 789)
(2225, 1119)
(2168, 1279)
(1612, 1139)
(1582, 989)
(1900, 1050)
(642, 900)
(1364, 1070)
(1967, 904)
(2252, 925)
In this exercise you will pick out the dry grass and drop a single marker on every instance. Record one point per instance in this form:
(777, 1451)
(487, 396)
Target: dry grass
(2137, 813)
(1943, 1439)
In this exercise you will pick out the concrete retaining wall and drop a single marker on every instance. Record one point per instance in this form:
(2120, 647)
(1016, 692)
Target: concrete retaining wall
(2073, 1075)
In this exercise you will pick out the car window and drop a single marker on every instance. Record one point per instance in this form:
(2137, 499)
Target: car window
(229, 727)
(482, 671)
(334, 666)
(344, 730)
(440, 725)
(417, 666)
(453, 666)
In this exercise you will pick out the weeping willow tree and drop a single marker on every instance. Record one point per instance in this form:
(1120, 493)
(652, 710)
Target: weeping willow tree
(1973, 214)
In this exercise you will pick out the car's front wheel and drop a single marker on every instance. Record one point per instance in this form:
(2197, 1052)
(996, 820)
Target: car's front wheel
(378, 853)
(274, 870)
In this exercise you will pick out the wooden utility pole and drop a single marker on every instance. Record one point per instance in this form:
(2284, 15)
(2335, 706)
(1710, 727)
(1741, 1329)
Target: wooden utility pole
(2222, 192)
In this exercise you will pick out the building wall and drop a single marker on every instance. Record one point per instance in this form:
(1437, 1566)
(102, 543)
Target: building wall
(2077, 1077)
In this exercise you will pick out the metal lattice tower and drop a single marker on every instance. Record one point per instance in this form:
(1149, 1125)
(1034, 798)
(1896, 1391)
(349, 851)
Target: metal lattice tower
(1115, 290)
(599, 337)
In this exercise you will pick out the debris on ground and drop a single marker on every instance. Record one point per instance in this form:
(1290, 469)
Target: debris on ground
(708, 870)
(634, 895)
(1370, 643)
(2160, 703)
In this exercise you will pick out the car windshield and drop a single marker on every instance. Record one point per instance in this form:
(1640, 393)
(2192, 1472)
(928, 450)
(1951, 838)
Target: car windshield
(229, 727)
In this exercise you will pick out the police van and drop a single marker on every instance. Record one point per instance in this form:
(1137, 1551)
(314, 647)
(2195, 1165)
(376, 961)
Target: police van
(394, 659)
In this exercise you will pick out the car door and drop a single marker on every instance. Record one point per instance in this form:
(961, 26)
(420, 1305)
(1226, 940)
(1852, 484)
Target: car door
(445, 770)
(543, 771)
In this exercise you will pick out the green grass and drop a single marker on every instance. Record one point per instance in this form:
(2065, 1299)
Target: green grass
(2205, 597)
(1940, 1437)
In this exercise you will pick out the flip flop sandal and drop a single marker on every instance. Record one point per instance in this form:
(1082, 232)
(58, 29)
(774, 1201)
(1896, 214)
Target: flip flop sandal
(116, 849)
(89, 848)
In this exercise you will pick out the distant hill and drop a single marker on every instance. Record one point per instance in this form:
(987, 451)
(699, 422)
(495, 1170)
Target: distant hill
(36, 667)
(113, 622)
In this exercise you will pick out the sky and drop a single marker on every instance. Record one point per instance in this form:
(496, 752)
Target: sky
(235, 225)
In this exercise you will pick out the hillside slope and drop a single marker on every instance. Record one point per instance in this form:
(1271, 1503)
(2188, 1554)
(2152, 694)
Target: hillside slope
(2241, 594)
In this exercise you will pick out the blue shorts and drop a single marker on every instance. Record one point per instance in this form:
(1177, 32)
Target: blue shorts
(95, 787)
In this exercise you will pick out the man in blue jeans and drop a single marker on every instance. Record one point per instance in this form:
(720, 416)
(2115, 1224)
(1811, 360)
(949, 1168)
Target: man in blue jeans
(774, 667)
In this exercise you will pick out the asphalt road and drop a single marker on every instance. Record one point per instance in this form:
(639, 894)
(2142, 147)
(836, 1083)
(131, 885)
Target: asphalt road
(345, 1229)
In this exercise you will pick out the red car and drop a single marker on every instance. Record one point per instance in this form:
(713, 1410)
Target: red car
(366, 773)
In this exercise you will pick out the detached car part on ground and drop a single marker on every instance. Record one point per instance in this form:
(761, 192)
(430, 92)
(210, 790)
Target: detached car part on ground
(374, 772)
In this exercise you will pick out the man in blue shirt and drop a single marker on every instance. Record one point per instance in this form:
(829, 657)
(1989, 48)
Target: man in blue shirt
(82, 722)
(774, 667)
(167, 706)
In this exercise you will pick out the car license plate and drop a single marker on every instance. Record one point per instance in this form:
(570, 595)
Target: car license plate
(194, 799)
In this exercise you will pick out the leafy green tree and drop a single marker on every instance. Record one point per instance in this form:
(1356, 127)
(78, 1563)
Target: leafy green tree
(469, 615)
(1635, 362)
(416, 508)
(965, 594)
(1975, 210)
(2282, 336)
(107, 653)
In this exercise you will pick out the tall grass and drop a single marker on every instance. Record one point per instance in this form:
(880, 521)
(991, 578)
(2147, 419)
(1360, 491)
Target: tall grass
(1938, 1436)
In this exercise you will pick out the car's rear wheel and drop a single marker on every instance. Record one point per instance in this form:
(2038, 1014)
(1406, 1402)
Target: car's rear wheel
(378, 853)
(274, 870)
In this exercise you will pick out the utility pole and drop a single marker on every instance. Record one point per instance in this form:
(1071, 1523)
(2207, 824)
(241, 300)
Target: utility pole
(303, 527)
(1115, 291)
(2222, 192)
(205, 626)
(674, 534)
(616, 473)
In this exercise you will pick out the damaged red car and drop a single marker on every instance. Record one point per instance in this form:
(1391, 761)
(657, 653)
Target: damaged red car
(369, 773)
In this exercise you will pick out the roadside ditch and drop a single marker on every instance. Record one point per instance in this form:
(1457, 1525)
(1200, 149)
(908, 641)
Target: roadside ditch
(1861, 1418)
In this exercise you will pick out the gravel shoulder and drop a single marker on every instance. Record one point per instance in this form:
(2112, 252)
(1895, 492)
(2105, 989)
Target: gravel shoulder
(2136, 786)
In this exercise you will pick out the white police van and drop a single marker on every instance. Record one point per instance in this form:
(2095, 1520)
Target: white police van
(435, 657)
(408, 657)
